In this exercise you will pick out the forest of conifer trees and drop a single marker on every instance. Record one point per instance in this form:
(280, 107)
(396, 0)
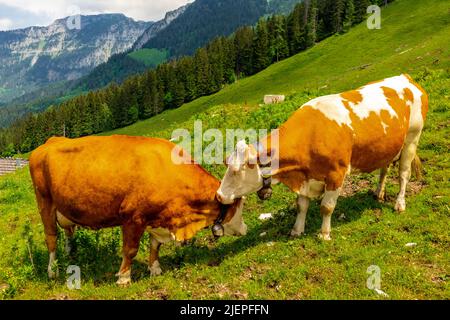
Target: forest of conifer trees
(224, 60)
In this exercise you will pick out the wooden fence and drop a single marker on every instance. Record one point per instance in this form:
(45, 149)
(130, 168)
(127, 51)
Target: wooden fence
(11, 165)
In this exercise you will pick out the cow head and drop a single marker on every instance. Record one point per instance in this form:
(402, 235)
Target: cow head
(245, 175)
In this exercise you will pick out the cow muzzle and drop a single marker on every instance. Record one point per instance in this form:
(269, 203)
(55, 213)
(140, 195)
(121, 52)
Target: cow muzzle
(224, 200)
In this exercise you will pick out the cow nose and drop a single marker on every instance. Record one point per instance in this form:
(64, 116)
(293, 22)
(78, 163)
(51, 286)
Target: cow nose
(222, 199)
(219, 197)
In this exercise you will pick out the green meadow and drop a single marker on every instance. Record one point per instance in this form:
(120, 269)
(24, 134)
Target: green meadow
(150, 57)
(411, 249)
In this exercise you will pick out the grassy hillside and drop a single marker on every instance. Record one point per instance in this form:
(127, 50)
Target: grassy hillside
(267, 263)
(413, 34)
(150, 57)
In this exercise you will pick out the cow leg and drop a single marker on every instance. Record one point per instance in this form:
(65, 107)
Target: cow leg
(326, 209)
(334, 183)
(407, 157)
(69, 240)
(132, 234)
(69, 229)
(299, 227)
(381, 191)
(153, 263)
(47, 211)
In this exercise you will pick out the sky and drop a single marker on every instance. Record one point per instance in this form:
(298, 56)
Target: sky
(15, 14)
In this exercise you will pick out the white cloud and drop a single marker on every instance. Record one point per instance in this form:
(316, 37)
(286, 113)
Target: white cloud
(5, 24)
(50, 10)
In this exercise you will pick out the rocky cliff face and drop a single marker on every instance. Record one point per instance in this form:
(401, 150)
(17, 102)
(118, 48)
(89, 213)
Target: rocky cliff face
(153, 30)
(37, 56)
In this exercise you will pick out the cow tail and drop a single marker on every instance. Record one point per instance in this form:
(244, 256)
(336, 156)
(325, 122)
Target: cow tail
(417, 168)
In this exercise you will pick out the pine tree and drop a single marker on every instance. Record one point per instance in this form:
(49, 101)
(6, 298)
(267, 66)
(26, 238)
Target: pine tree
(279, 48)
(360, 10)
(338, 16)
(215, 52)
(186, 73)
(349, 14)
(147, 108)
(295, 32)
(243, 43)
(312, 23)
(203, 72)
(229, 60)
(261, 49)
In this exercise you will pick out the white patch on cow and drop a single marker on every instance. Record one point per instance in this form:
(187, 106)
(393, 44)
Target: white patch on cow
(375, 101)
(312, 189)
(330, 198)
(332, 107)
(161, 235)
(63, 221)
(236, 226)
(385, 126)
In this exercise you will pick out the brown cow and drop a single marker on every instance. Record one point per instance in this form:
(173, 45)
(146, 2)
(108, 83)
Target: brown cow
(102, 182)
(365, 129)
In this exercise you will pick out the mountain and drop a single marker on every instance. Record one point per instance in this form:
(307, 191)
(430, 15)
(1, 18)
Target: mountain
(281, 6)
(153, 30)
(34, 57)
(122, 65)
(204, 20)
(181, 32)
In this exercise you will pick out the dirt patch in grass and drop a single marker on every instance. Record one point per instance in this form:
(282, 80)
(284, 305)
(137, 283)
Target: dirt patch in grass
(352, 187)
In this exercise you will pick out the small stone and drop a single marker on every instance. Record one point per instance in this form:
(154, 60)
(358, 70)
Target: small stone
(381, 293)
(411, 244)
(263, 234)
(342, 217)
(265, 216)
(270, 244)
(4, 287)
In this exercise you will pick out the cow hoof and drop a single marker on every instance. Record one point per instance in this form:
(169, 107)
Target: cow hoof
(124, 279)
(400, 206)
(155, 269)
(297, 234)
(123, 282)
(324, 237)
(381, 197)
(52, 274)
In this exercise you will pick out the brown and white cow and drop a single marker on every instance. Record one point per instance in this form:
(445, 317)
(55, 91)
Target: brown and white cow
(102, 182)
(364, 129)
